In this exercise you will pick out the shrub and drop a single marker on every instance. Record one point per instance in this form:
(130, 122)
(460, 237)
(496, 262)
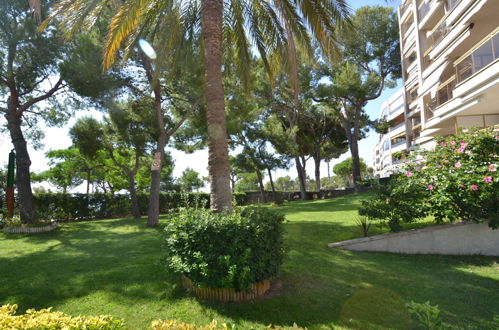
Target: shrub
(427, 315)
(175, 325)
(460, 176)
(46, 319)
(457, 180)
(227, 250)
(395, 202)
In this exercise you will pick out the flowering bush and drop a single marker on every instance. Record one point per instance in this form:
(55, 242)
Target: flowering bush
(46, 319)
(460, 176)
(457, 180)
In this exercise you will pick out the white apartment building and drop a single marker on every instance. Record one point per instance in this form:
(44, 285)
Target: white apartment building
(450, 64)
(395, 141)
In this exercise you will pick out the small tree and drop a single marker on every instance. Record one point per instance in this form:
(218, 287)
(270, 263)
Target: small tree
(345, 169)
(190, 180)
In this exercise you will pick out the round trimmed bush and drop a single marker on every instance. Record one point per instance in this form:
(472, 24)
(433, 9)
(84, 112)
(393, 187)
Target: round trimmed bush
(227, 250)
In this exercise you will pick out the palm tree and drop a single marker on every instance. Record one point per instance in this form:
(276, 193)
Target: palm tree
(270, 25)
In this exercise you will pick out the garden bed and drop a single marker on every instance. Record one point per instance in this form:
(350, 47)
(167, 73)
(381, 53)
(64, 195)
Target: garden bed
(227, 294)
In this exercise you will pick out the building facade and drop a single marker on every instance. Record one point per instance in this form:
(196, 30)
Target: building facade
(450, 66)
(394, 142)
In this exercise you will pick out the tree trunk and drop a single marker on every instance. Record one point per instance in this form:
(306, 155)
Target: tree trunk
(354, 150)
(274, 195)
(27, 210)
(301, 178)
(88, 182)
(317, 163)
(133, 196)
(353, 145)
(328, 169)
(153, 212)
(261, 186)
(218, 152)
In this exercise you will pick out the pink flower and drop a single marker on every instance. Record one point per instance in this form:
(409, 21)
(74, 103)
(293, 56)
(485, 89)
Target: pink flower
(460, 150)
(430, 187)
(461, 185)
(468, 152)
(458, 165)
(464, 144)
(438, 166)
(474, 187)
(452, 143)
(487, 179)
(443, 144)
(408, 174)
(492, 168)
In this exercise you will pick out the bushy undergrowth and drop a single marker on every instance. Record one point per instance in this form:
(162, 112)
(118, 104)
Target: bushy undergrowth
(101, 206)
(457, 180)
(47, 319)
(226, 250)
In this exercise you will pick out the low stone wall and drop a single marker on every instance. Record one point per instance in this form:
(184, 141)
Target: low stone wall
(30, 230)
(461, 238)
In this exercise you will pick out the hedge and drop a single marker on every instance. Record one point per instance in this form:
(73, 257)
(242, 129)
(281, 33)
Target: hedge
(70, 207)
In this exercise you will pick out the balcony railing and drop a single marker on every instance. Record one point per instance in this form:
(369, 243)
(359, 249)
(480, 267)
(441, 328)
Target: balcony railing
(394, 128)
(480, 56)
(404, 7)
(412, 95)
(451, 4)
(424, 9)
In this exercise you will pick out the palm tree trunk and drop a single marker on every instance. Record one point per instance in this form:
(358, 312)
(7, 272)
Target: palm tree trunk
(23, 163)
(218, 152)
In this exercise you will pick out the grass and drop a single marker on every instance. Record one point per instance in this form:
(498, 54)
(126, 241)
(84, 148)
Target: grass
(114, 267)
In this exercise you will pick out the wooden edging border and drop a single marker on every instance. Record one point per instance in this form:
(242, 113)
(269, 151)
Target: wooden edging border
(227, 294)
(30, 230)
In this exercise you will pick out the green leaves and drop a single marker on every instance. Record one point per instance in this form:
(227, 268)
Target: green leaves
(229, 250)
(457, 180)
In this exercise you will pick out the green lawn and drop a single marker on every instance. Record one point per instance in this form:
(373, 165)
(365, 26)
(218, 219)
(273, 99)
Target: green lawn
(114, 267)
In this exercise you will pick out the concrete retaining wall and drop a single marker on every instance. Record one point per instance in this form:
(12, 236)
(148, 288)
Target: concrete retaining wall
(461, 238)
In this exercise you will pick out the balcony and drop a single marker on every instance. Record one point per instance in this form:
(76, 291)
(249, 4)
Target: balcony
(405, 7)
(424, 9)
(473, 61)
(442, 29)
(451, 4)
(443, 95)
(478, 58)
(412, 94)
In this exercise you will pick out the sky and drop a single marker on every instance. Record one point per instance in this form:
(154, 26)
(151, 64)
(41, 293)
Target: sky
(58, 138)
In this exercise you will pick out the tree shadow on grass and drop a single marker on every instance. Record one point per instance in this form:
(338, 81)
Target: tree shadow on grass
(321, 286)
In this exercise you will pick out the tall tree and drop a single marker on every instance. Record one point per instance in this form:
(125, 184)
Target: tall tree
(34, 69)
(255, 21)
(371, 62)
(28, 76)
